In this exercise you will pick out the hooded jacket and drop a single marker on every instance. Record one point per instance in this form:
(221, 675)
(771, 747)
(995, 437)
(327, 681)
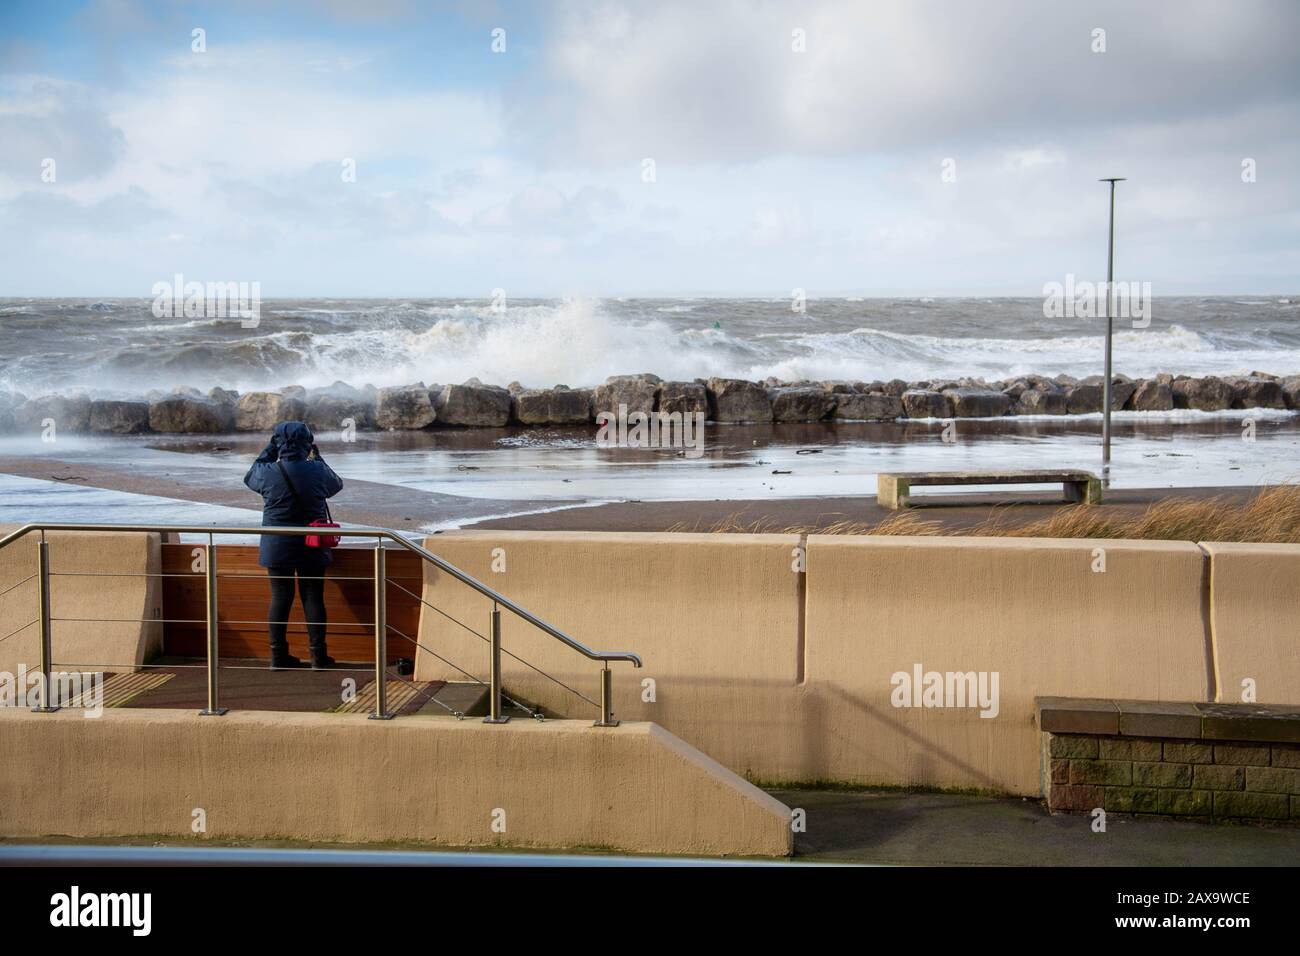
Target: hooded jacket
(315, 481)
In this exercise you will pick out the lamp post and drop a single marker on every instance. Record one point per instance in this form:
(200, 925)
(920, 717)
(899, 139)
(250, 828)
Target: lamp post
(1110, 330)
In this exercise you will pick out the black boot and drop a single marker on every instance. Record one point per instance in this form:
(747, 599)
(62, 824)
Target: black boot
(281, 659)
(320, 659)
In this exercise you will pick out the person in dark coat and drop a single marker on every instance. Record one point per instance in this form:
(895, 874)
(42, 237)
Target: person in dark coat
(294, 482)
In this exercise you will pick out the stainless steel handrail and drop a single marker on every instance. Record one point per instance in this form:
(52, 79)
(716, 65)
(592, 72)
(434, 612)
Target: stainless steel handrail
(499, 600)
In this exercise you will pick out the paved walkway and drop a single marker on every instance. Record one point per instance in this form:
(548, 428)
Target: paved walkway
(951, 829)
(880, 828)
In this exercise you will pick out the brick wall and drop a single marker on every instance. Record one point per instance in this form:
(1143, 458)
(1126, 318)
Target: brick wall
(1215, 780)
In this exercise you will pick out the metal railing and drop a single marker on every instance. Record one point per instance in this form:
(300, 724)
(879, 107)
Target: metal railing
(381, 626)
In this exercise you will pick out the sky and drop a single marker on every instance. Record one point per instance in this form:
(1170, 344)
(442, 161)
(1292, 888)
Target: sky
(647, 149)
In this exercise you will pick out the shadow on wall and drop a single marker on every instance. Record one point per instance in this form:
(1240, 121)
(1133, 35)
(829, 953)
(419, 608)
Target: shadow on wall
(717, 620)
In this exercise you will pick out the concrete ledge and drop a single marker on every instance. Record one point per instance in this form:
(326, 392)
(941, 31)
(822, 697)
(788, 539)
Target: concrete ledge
(1069, 715)
(1252, 722)
(344, 778)
(1141, 718)
(1169, 719)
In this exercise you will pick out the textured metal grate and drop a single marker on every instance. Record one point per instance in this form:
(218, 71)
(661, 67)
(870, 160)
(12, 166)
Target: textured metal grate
(121, 688)
(400, 693)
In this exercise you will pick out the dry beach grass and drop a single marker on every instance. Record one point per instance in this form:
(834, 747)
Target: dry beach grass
(1272, 516)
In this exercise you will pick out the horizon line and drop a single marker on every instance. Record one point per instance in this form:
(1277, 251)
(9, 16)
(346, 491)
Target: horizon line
(648, 296)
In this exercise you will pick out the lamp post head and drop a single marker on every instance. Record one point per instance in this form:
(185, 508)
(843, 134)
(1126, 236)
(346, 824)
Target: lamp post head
(1113, 179)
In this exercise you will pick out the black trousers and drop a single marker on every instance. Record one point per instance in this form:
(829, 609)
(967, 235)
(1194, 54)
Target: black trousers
(311, 588)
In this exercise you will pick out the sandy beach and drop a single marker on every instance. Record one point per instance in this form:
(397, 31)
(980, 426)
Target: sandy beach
(384, 504)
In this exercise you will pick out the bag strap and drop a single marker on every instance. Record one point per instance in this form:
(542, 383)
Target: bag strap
(293, 488)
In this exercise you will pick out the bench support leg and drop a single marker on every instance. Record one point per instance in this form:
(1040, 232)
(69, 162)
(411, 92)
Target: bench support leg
(1083, 492)
(891, 492)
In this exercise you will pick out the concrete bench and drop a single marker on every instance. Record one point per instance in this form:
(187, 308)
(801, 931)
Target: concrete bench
(894, 490)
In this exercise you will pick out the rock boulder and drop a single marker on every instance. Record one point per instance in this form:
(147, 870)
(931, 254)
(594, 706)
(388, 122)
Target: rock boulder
(1121, 390)
(736, 400)
(1042, 401)
(1209, 394)
(552, 406)
(1257, 392)
(973, 402)
(329, 412)
(404, 407)
(262, 411)
(874, 407)
(1152, 395)
(1291, 391)
(119, 418)
(1083, 399)
(688, 398)
(637, 392)
(922, 403)
(191, 416)
(801, 404)
(473, 406)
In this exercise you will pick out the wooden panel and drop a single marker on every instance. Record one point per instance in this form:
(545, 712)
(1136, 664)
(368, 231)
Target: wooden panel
(244, 596)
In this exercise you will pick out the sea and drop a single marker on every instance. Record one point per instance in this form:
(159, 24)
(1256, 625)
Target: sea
(444, 478)
(118, 348)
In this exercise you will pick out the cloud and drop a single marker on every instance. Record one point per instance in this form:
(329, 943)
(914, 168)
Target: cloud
(39, 213)
(775, 169)
(43, 117)
(540, 209)
(720, 82)
(268, 109)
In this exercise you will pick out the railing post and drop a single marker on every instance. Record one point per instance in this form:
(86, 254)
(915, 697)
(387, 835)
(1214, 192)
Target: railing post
(43, 616)
(494, 691)
(210, 576)
(606, 698)
(381, 635)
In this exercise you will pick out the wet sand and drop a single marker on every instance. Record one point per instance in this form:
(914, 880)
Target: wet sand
(957, 512)
(774, 476)
(359, 503)
(393, 506)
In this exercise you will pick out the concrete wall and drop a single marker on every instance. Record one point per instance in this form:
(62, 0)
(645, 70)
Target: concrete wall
(787, 677)
(1255, 614)
(1032, 610)
(348, 779)
(130, 598)
(714, 616)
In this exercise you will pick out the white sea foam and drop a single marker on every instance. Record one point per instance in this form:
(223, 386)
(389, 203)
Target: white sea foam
(570, 343)
(118, 348)
(576, 343)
